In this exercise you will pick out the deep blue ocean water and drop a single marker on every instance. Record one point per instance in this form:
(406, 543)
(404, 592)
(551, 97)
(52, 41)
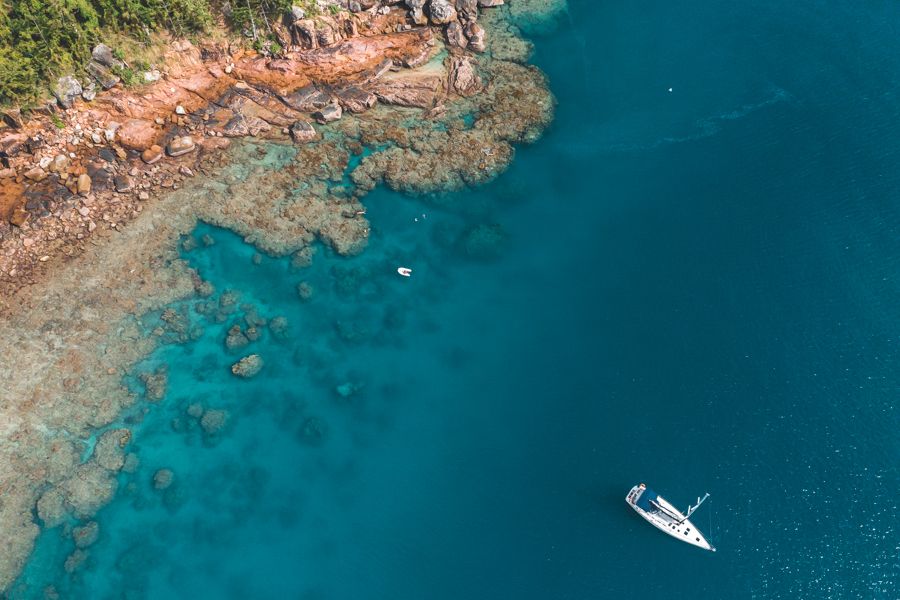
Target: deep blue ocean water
(696, 288)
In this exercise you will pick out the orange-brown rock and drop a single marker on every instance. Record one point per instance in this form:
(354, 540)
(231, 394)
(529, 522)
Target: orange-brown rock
(138, 134)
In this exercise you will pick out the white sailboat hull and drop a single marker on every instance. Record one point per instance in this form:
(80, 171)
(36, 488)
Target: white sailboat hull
(666, 517)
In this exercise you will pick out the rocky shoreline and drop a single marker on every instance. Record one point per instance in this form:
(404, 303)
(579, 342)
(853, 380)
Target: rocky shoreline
(97, 245)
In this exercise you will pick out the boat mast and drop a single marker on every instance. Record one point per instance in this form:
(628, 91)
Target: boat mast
(691, 509)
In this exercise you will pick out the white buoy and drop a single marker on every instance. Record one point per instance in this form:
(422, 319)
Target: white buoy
(670, 89)
(404, 271)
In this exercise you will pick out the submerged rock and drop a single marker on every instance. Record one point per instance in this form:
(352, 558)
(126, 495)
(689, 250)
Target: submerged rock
(279, 327)
(304, 290)
(86, 535)
(249, 366)
(163, 479)
(155, 383)
(75, 560)
(303, 257)
(236, 338)
(90, 487)
(132, 462)
(313, 431)
(483, 241)
(109, 451)
(51, 507)
(214, 421)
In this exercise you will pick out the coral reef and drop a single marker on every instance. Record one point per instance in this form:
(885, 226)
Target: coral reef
(446, 117)
(249, 366)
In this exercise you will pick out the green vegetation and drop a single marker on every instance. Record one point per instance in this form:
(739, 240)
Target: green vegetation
(42, 39)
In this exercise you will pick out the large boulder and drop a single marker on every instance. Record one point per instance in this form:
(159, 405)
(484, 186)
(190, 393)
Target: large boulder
(103, 54)
(463, 78)
(441, 12)
(356, 6)
(467, 9)
(240, 126)
(456, 36)
(476, 35)
(102, 74)
(307, 99)
(302, 132)
(180, 145)
(355, 99)
(66, 90)
(330, 113)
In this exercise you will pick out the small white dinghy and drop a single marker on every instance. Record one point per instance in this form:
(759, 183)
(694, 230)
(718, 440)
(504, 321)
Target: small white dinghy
(665, 517)
(404, 271)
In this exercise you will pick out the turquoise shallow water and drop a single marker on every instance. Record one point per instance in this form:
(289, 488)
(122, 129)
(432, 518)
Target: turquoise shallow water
(695, 288)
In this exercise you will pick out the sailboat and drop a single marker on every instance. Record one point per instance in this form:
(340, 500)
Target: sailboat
(665, 517)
